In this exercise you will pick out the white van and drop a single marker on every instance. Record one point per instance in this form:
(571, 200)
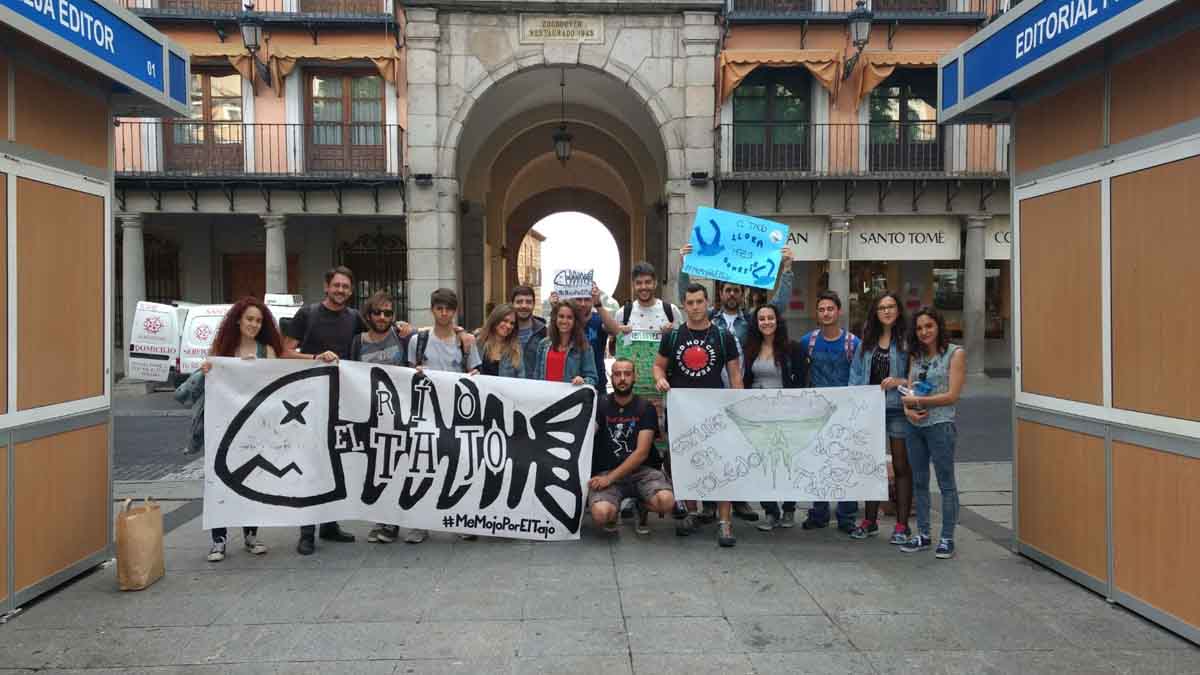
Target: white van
(197, 336)
(283, 308)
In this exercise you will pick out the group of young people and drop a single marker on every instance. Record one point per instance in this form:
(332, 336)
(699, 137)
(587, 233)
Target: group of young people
(727, 346)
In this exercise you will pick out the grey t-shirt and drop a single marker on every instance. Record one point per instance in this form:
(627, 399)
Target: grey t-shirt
(441, 354)
(388, 352)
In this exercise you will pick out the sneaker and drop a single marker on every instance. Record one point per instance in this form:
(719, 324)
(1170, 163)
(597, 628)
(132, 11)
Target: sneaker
(306, 545)
(945, 549)
(416, 536)
(918, 542)
(900, 535)
(725, 537)
(217, 552)
(810, 524)
(613, 526)
(468, 537)
(627, 506)
(846, 526)
(253, 545)
(769, 523)
(788, 521)
(867, 528)
(689, 525)
(708, 514)
(383, 534)
(642, 524)
(745, 512)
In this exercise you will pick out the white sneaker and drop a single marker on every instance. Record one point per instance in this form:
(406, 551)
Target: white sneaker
(217, 552)
(416, 536)
(253, 545)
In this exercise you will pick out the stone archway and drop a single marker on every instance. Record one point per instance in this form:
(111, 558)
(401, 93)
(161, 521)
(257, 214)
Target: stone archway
(474, 83)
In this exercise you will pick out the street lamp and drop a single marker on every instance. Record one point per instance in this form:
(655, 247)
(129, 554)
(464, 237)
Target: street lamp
(859, 21)
(562, 139)
(251, 27)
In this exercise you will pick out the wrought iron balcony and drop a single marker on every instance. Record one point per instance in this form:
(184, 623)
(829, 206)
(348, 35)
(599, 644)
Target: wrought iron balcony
(268, 10)
(786, 10)
(189, 149)
(917, 150)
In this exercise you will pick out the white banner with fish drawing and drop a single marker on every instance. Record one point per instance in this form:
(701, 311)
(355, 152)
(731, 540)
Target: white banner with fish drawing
(294, 443)
(778, 444)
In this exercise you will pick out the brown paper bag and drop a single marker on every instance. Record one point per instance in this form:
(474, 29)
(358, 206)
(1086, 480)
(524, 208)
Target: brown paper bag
(139, 545)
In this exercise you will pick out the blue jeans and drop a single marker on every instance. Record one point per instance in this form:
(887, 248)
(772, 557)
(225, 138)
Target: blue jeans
(934, 443)
(845, 512)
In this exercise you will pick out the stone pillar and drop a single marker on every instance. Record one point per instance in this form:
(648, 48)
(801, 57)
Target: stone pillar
(277, 273)
(133, 273)
(974, 297)
(839, 261)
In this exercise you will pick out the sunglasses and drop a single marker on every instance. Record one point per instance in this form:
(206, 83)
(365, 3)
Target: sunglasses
(382, 312)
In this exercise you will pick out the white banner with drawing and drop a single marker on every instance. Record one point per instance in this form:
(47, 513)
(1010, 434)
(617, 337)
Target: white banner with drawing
(778, 444)
(294, 443)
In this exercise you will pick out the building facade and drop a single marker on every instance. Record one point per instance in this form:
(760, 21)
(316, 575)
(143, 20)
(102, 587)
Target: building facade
(292, 159)
(420, 144)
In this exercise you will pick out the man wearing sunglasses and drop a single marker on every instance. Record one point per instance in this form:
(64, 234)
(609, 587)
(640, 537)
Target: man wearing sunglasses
(381, 343)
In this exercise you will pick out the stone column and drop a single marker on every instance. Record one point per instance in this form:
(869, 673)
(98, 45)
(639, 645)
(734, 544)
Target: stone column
(974, 297)
(133, 273)
(277, 273)
(839, 261)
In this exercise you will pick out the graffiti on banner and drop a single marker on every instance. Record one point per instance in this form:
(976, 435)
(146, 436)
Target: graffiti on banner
(573, 283)
(778, 445)
(734, 247)
(289, 443)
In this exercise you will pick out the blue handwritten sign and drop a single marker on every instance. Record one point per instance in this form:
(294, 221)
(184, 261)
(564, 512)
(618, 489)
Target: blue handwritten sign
(736, 248)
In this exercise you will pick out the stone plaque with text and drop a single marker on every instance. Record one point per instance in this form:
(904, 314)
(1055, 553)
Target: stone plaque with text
(540, 28)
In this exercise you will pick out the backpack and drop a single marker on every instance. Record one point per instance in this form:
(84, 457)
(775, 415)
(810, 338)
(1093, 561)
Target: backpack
(423, 342)
(720, 339)
(627, 311)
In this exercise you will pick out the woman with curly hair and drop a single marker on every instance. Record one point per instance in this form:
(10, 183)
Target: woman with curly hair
(499, 345)
(248, 331)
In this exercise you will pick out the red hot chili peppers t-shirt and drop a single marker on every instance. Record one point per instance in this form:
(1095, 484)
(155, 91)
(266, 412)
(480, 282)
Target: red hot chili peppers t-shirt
(695, 358)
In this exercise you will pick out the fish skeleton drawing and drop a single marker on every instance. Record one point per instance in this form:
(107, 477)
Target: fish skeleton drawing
(287, 445)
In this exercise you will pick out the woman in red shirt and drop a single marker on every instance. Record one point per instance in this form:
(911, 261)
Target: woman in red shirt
(564, 355)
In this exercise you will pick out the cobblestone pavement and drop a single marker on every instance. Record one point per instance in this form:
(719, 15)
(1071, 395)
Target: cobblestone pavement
(785, 602)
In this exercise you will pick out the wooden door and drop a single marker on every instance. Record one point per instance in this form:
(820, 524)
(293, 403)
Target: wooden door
(246, 274)
(345, 117)
(210, 142)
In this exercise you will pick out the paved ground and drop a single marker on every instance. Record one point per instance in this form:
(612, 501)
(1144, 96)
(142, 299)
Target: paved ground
(785, 602)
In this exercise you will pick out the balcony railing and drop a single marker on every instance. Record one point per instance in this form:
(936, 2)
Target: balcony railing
(887, 8)
(875, 149)
(189, 149)
(269, 8)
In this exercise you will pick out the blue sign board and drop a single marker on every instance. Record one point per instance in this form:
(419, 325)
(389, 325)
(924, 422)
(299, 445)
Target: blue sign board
(1037, 32)
(92, 27)
(949, 84)
(734, 247)
(179, 83)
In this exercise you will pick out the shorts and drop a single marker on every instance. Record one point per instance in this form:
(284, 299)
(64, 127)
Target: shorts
(642, 484)
(896, 423)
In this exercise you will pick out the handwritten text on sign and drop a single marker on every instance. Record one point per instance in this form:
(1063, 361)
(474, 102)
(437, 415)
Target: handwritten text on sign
(290, 443)
(573, 283)
(734, 247)
(778, 444)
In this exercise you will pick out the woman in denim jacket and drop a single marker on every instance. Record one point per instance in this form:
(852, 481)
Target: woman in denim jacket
(499, 348)
(882, 359)
(564, 355)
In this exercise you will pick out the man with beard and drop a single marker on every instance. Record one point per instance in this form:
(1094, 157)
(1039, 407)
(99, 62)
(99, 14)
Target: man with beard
(530, 329)
(699, 354)
(325, 331)
(626, 426)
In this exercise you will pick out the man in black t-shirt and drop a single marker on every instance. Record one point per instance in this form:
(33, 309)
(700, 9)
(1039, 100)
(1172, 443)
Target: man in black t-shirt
(324, 331)
(693, 356)
(626, 426)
